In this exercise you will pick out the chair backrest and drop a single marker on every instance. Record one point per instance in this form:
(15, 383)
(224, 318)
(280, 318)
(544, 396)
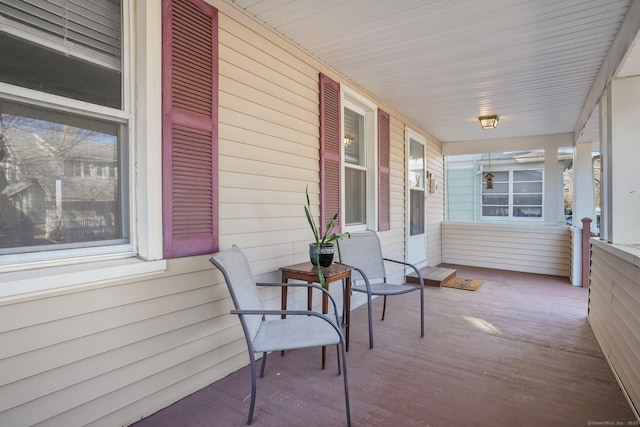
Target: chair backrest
(363, 250)
(237, 273)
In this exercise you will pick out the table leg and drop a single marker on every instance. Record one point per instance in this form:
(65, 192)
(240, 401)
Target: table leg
(347, 310)
(325, 310)
(283, 301)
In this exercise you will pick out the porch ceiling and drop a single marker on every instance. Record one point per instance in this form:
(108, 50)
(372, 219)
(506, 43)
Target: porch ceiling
(445, 63)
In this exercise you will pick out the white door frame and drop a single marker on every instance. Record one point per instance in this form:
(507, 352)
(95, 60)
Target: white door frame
(416, 247)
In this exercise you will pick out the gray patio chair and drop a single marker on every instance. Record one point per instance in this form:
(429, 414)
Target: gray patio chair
(301, 329)
(363, 252)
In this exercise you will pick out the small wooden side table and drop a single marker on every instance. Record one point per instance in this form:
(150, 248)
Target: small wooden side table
(308, 273)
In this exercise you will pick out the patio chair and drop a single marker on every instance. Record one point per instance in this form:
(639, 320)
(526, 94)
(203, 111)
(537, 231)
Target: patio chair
(302, 329)
(363, 252)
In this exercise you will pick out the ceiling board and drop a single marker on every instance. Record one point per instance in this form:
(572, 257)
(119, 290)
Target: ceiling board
(444, 63)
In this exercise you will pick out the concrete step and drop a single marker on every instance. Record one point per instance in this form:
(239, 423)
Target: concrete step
(432, 276)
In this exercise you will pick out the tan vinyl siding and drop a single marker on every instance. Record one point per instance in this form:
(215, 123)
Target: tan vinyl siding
(108, 353)
(533, 249)
(461, 195)
(614, 315)
(393, 244)
(269, 134)
(66, 359)
(435, 202)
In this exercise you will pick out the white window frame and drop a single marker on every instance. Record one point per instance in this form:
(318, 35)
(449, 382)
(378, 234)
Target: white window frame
(356, 102)
(143, 256)
(58, 103)
(510, 207)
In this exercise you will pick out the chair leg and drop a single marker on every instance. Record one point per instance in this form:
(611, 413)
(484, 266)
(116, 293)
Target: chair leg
(346, 382)
(338, 353)
(253, 387)
(369, 312)
(384, 306)
(264, 363)
(422, 312)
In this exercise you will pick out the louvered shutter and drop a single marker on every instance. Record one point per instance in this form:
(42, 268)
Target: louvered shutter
(330, 151)
(190, 129)
(384, 171)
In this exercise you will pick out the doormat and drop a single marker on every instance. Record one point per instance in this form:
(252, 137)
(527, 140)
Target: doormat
(458, 282)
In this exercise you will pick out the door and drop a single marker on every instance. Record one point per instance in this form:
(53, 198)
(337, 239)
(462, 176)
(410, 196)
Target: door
(416, 199)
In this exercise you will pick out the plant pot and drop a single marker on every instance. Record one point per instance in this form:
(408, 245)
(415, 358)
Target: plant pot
(324, 254)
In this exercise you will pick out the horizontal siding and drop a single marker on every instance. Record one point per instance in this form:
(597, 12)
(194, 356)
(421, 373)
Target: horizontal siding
(269, 133)
(614, 315)
(461, 195)
(66, 357)
(393, 240)
(542, 250)
(435, 202)
(107, 356)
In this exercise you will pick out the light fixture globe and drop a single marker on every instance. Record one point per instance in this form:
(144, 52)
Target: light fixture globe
(488, 122)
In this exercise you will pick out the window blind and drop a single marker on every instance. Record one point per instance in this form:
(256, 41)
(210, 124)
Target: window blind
(86, 29)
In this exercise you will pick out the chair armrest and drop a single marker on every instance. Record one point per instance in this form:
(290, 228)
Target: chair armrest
(364, 276)
(420, 280)
(335, 325)
(306, 285)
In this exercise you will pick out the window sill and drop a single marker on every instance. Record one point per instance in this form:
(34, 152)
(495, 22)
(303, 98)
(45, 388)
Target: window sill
(628, 253)
(29, 284)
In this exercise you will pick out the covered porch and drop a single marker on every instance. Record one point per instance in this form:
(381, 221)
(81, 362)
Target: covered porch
(109, 332)
(517, 351)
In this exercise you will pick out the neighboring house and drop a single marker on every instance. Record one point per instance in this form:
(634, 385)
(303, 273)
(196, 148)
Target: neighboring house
(207, 128)
(58, 188)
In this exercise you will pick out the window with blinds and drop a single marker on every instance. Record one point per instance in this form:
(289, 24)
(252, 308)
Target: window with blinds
(71, 48)
(86, 29)
(64, 175)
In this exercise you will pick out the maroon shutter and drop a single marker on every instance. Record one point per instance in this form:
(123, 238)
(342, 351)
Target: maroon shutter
(189, 128)
(384, 171)
(330, 151)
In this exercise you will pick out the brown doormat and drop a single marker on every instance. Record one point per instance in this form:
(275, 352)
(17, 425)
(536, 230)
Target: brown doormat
(462, 283)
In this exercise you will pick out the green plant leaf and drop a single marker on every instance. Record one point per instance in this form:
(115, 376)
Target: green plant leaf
(339, 236)
(321, 278)
(329, 227)
(312, 223)
(324, 238)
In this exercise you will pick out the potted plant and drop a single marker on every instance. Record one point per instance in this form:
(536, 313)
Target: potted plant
(321, 252)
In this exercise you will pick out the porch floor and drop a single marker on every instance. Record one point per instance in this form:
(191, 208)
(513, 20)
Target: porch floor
(518, 351)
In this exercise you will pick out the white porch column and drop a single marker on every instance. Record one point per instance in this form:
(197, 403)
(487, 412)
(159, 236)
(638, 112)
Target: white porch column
(583, 204)
(583, 185)
(552, 213)
(623, 151)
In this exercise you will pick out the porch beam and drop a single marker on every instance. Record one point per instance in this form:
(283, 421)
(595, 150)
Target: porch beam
(508, 144)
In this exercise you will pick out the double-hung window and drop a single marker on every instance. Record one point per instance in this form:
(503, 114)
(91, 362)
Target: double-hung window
(355, 168)
(64, 125)
(514, 194)
(355, 147)
(359, 154)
